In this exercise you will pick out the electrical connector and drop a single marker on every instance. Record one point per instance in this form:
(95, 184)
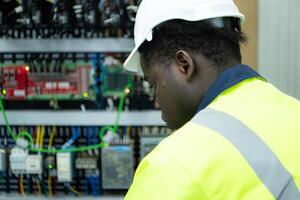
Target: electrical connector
(22, 143)
(109, 137)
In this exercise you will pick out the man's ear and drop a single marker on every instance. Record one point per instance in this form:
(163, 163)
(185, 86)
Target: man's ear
(185, 64)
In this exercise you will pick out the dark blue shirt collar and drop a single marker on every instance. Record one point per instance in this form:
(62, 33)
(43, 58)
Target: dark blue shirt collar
(227, 79)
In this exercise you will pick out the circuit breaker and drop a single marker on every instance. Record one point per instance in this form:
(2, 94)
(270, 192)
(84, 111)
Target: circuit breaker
(64, 167)
(18, 160)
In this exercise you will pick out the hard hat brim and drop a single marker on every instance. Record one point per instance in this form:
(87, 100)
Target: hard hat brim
(133, 63)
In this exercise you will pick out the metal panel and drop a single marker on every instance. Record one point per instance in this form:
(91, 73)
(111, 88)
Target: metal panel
(64, 118)
(114, 45)
(279, 44)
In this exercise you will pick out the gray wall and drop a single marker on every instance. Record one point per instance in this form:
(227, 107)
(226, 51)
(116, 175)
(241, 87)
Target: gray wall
(279, 44)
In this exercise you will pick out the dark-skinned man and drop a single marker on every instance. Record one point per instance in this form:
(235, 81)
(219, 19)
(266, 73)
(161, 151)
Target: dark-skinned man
(236, 136)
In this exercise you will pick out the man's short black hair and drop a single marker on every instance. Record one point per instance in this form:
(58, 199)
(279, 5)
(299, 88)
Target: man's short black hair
(220, 45)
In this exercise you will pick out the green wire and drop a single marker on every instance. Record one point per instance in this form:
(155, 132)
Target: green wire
(10, 131)
(24, 134)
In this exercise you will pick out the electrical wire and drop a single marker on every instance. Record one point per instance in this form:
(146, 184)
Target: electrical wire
(37, 140)
(51, 138)
(55, 185)
(128, 132)
(38, 187)
(75, 135)
(42, 133)
(72, 189)
(28, 136)
(22, 185)
(49, 185)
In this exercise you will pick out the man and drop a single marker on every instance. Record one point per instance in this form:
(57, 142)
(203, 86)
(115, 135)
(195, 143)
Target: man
(237, 137)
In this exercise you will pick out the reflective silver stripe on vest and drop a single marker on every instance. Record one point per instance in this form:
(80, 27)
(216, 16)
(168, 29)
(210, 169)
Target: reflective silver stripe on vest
(264, 162)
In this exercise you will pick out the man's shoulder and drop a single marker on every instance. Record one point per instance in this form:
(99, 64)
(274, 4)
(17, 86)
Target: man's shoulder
(190, 146)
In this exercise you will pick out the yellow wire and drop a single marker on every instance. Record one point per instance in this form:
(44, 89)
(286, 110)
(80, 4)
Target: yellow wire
(49, 185)
(74, 191)
(128, 131)
(22, 185)
(37, 136)
(42, 136)
(38, 187)
(51, 138)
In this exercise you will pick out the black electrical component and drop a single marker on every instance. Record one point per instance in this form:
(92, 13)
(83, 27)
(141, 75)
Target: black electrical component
(67, 18)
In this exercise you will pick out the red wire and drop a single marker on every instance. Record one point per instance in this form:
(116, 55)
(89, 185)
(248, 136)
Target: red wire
(35, 134)
(35, 187)
(54, 185)
(19, 189)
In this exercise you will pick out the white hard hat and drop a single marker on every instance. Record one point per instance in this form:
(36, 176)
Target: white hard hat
(153, 12)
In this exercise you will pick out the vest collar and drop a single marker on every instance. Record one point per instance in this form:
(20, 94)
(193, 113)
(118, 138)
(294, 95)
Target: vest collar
(225, 80)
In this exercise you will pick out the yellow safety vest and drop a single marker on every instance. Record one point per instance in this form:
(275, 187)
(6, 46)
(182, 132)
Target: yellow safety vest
(244, 146)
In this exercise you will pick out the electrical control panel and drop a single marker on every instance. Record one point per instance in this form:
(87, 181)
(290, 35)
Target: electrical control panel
(70, 81)
(67, 56)
(102, 171)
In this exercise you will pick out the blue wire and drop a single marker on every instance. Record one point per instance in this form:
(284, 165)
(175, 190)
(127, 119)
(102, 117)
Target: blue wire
(89, 135)
(95, 179)
(96, 185)
(75, 135)
(93, 185)
(94, 60)
(87, 178)
(86, 185)
(95, 135)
